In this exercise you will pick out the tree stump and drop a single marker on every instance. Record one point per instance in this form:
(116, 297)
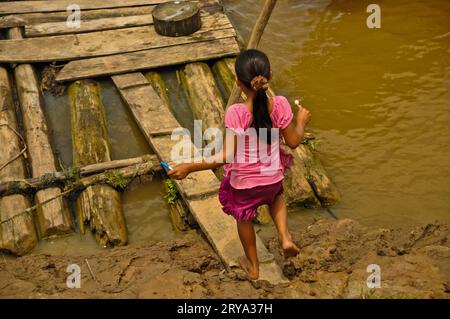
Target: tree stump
(176, 18)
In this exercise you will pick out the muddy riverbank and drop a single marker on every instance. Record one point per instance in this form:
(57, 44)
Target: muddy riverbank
(414, 262)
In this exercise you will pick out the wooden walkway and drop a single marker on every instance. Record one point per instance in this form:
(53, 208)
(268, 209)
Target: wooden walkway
(199, 190)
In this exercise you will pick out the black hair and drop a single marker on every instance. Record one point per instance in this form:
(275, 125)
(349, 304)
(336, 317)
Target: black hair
(250, 64)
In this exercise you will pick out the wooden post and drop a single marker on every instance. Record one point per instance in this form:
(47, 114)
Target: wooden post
(99, 205)
(253, 43)
(19, 235)
(53, 219)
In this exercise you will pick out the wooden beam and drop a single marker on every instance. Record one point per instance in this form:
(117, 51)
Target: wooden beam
(93, 44)
(15, 7)
(148, 59)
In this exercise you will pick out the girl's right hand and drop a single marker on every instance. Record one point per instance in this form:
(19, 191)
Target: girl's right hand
(303, 116)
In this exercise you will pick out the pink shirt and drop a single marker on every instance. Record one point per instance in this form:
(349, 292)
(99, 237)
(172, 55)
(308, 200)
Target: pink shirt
(250, 167)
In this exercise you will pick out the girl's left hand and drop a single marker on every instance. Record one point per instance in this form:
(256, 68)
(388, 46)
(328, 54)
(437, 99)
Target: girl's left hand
(180, 171)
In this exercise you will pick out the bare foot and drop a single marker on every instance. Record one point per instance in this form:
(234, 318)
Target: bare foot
(252, 272)
(290, 249)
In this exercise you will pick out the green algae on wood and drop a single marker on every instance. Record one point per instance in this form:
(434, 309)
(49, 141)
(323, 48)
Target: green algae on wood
(99, 206)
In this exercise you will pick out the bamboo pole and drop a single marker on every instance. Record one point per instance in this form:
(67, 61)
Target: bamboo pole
(32, 185)
(253, 43)
(18, 236)
(98, 205)
(54, 218)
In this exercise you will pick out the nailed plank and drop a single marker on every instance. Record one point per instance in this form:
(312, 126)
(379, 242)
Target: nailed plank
(94, 44)
(148, 59)
(145, 104)
(100, 24)
(14, 7)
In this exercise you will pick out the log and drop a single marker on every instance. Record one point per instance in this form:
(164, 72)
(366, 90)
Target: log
(54, 218)
(149, 59)
(93, 44)
(176, 18)
(32, 185)
(99, 205)
(255, 37)
(119, 178)
(179, 213)
(297, 190)
(19, 236)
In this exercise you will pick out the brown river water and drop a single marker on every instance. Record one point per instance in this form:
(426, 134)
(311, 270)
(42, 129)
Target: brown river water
(380, 102)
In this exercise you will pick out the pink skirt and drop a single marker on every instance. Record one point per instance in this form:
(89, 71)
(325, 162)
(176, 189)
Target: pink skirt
(243, 203)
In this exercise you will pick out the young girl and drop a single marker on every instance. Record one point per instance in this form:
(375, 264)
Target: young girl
(248, 184)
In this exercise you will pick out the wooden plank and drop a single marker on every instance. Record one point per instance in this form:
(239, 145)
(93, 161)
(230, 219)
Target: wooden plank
(54, 217)
(145, 104)
(109, 23)
(27, 19)
(154, 118)
(15, 7)
(221, 232)
(203, 203)
(93, 44)
(148, 59)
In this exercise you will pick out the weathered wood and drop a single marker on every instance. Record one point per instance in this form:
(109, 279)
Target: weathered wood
(18, 236)
(94, 44)
(15, 7)
(58, 28)
(222, 234)
(32, 185)
(147, 105)
(149, 59)
(325, 190)
(30, 19)
(99, 205)
(220, 229)
(99, 24)
(296, 187)
(255, 37)
(177, 18)
(53, 219)
(203, 95)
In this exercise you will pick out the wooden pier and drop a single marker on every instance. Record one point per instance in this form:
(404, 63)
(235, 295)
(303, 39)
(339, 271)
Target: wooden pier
(117, 39)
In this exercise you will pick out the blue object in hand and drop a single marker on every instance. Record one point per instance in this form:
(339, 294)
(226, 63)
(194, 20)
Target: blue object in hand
(166, 165)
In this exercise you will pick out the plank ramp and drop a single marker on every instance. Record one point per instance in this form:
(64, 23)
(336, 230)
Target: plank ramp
(199, 190)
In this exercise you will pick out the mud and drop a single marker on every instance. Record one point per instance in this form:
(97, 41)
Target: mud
(414, 263)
